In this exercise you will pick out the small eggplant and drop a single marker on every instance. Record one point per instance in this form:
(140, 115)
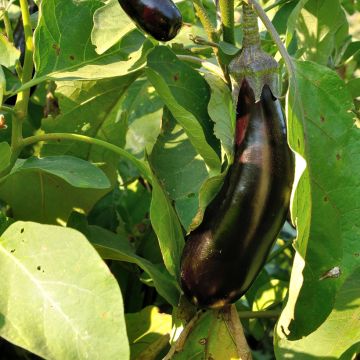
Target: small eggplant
(159, 18)
(223, 256)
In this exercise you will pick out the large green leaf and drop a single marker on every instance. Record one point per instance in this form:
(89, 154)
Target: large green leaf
(58, 299)
(326, 203)
(63, 48)
(47, 190)
(186, 94)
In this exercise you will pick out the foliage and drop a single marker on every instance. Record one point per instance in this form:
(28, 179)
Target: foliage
(113, 144)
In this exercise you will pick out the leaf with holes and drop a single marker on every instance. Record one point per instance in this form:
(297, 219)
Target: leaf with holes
(65, 303)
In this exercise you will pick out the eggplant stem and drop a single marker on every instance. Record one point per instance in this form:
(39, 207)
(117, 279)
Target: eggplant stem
(236, 330)
(275, 36)
(180, 342)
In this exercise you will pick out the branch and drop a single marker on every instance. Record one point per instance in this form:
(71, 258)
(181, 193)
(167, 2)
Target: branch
(92, 141)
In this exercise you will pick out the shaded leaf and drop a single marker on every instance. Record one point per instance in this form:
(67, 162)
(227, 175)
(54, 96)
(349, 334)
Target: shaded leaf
(320, 26)
(148, 329)
(186, 94)
(5, 155)
(37, 195)
(222, 112)
(179, 169)
(115, 247)
(167, 228)
(91, 108)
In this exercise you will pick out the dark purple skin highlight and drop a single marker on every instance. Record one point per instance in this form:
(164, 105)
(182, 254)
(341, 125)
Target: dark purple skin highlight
(159, 18)
(223, 256)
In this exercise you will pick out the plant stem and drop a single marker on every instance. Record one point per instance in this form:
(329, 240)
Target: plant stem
(237, 332)
(275, 36)
(259, 314)
(92, 141)
(22, 100)
(205, 21)
(212, 35)
(277, 252)
(205, 64)
(227, 20)
(6, 108)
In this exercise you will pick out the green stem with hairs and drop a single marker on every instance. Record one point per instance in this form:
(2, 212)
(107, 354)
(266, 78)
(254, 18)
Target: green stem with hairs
(205, 21)
(92, 141)
(212, 35)
(22, 100)
(227, 20)
(275, 36)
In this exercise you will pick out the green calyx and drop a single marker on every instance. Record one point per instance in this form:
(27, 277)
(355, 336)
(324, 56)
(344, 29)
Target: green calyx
(253, 64)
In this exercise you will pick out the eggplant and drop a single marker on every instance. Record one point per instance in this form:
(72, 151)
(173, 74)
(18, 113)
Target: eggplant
(223, 256)
(159, 18)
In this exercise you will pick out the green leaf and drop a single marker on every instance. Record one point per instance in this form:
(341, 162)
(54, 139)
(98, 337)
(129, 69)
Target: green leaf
(74, 171)
(210, 338)
(270, 295)
(354, 87)
(167, 228)
(144, 109)
(326, 203)
(186, 94)
(91, 108)
(5, 155)
(179, 169)
(222, 112)
(8, 53)
(106, 31)
(340, 331)
(183, 174)
(114, 247)
(46, 194)
(62, 52)
(148, 331)
(320, 27)
(65, 303)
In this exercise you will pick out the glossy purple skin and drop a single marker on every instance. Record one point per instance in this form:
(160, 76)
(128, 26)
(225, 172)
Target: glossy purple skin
(159, 18)
(223, 256)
